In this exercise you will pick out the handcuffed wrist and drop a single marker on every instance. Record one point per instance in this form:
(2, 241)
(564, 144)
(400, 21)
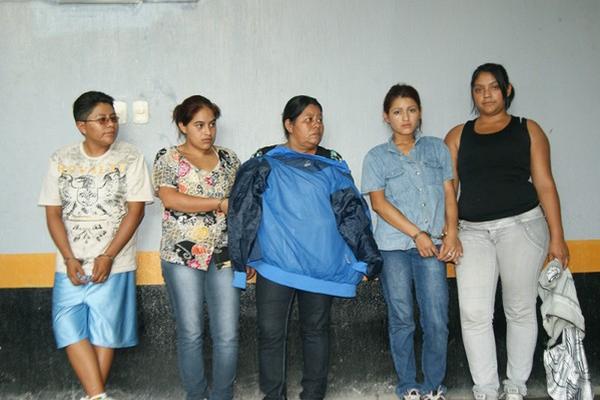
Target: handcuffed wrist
(416, 235)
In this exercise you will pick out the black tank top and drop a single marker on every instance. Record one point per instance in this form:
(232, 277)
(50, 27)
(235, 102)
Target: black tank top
(494, 172)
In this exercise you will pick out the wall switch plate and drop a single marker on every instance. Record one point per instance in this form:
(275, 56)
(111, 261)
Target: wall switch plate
(140, 112)
(121, 111)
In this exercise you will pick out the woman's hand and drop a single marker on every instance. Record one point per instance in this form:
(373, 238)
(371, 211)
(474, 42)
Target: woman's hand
(224, 205)
(451, 248)
(425, 245)
(558, 249)
(250, 273)
(75, 271)
(102, 266)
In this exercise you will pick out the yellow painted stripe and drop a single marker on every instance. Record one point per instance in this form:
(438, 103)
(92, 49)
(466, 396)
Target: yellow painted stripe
(37, 270)
(26, 270)
(584, 257)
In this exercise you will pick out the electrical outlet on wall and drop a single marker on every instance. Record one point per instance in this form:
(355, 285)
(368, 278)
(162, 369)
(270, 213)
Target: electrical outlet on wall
(121, 111)
(140, 112)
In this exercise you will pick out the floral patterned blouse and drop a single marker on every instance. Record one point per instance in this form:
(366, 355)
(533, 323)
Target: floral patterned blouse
(193, 239)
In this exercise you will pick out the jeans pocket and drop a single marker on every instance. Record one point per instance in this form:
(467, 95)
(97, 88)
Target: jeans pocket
(536, 232)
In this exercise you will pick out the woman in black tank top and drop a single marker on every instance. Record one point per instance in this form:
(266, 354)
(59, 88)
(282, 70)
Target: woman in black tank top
(510, 221)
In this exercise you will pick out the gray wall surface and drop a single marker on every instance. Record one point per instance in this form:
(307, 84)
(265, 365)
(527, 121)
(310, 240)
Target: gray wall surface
(251, 56)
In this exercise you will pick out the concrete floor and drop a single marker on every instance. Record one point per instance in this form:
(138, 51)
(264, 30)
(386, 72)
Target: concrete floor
(375, 392)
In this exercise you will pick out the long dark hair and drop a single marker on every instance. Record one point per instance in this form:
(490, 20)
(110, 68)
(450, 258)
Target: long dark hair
(501, 76)
(294, 107)
(402, 90)
(184, 112)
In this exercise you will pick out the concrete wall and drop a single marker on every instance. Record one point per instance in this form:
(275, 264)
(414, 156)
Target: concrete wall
(361, 365)
(251, 56)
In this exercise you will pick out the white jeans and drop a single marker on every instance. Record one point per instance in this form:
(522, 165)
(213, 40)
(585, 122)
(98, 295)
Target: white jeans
(513, 249)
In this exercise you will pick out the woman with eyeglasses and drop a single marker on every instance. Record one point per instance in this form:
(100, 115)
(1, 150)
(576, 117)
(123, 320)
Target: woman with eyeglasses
(409, 182)
(94, 195)
(193, 181)
(298, 220)
(510, 222)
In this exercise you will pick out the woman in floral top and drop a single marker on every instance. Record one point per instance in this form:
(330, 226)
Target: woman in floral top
(193, 181)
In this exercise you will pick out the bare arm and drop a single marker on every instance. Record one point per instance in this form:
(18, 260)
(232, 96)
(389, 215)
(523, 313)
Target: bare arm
(58, 233)
(127, 228)
(452, 140)
(394, 217)
(451, 248)
(543, 181)
(175, 200)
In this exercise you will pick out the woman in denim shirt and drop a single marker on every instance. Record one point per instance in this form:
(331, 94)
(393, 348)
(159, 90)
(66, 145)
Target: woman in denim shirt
(409, 182)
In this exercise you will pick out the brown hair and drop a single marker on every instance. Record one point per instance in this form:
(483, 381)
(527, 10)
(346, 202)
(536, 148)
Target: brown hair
(401, 90)
(184, 112)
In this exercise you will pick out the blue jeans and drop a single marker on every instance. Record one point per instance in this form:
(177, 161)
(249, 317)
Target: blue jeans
(188, 290)
(402, 271)
(274, 306)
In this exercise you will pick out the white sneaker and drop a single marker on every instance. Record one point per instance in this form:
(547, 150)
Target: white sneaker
(439, 395)
(511, 393)
(412, 394)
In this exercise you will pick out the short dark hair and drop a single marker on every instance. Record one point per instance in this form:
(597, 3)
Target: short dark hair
(84, 105)
(401, 90)
(501, 76)
(295, 106)
(183, 113)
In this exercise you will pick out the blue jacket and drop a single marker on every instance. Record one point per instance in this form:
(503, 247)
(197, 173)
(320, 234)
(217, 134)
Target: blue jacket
(299, 221)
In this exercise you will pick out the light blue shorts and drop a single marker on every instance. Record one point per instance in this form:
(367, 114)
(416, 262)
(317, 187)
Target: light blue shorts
(104, 313)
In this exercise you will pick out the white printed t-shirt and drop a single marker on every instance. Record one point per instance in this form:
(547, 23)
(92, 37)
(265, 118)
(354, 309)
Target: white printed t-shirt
(93, 193)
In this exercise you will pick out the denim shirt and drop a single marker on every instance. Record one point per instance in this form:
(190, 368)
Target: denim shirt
(412, 183)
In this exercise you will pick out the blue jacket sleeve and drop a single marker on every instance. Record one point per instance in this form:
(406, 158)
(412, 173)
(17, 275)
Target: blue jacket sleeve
(354, 224)
(245, 212)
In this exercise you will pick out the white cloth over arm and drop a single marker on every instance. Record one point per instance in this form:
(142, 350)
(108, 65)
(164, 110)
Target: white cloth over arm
(567, 372)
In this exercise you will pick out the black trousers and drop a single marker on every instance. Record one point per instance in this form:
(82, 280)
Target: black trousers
(274, 304)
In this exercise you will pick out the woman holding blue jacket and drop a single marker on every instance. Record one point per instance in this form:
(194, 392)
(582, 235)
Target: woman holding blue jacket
(296, 217)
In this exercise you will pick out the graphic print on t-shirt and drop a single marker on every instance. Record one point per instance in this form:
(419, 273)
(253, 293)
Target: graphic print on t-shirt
(89, 201)
(94, 195)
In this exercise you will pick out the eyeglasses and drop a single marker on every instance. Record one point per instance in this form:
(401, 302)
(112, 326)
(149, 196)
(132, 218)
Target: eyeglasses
(104, 120)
